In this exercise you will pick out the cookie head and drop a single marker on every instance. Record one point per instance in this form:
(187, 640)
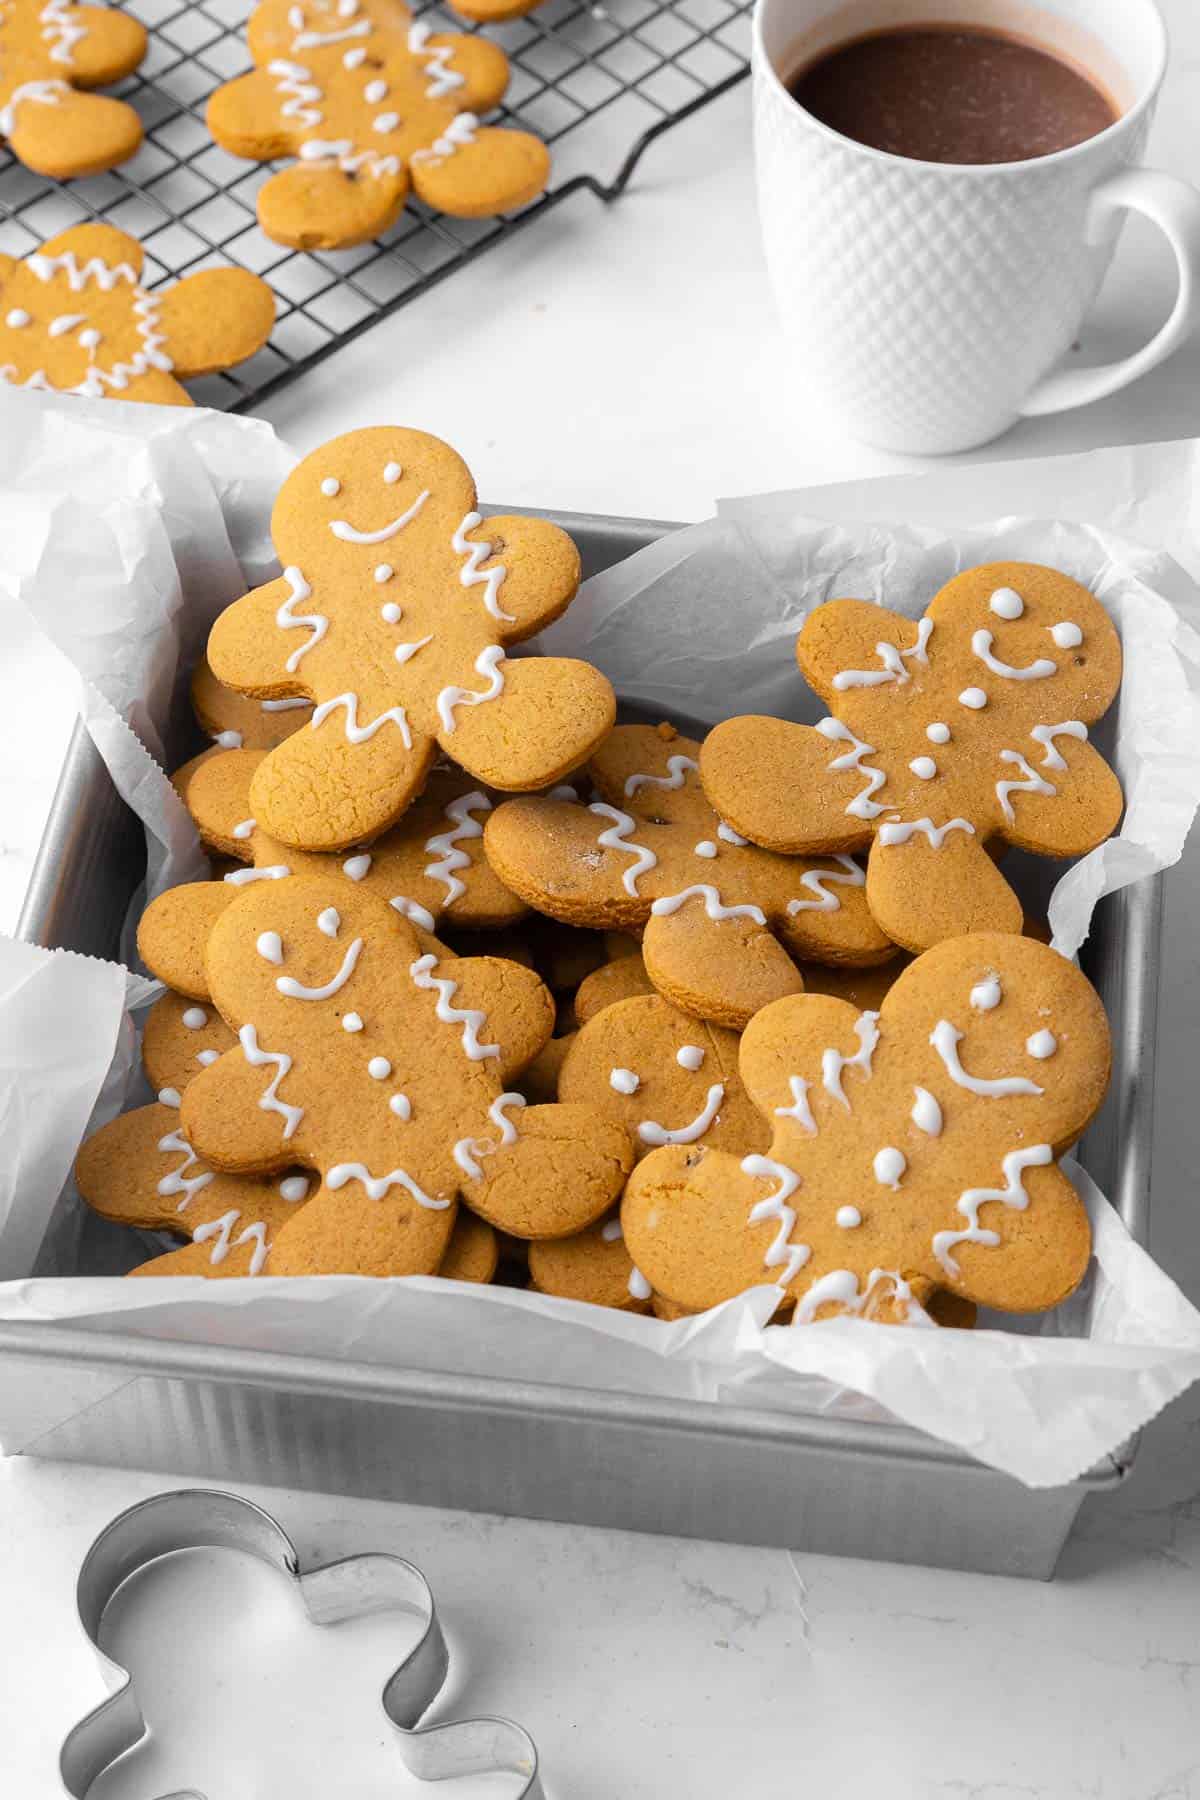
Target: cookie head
(918, 1143)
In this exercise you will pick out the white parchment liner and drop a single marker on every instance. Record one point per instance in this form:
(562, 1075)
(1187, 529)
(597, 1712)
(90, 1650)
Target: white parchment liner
(166, 505)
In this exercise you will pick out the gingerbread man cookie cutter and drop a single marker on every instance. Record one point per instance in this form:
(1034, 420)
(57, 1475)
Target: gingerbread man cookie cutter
(193, 1518)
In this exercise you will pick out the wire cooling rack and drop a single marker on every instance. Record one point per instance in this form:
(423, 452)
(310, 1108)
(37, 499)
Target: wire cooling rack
(598, 80)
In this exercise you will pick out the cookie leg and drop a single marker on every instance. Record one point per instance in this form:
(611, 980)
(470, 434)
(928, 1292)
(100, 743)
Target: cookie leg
(319, 790)
(74, 134)
(921, 894)
(348, 1233)
(494, 171)
(713, 968)
(319, 206)
(546, 719)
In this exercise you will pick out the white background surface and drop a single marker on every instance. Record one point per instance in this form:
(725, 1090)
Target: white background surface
(627, 361)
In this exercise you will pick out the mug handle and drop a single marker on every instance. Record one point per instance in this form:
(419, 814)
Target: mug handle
(1174, 207)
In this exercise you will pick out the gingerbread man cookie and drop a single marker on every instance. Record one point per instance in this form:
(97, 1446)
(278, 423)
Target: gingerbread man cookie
(235, 722)
(394, 612)
(663, 1076)
(371, 102)
(594, 1265)
(141, 1170)
(723, 918)
(966, 726)
(75, 319)
(50, 54)
(389, 1075)
(916, 1144)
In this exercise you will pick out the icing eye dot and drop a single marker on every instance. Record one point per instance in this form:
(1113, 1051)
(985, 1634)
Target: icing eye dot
(352, 1022)
(689, 1056)
(937, 733)
(355, 867)
(986, 994)
(706, 848)
(87, 340)
(270, 947)
(973, 697)
(889, 1165)
(331, 486)
(392, 473)
(624, 1081)
(379, 1068)
(244, 829)
(1006, 603)
(611, 1233)
(205, 1057)
(1041, 1045)
(390, 613)
(294, 1187)
(384, 572)
(848, 1217)
(924, 767)
(1066, 635)
(401, 1105)
(17, 318)
(195, 1017)
(329, 921)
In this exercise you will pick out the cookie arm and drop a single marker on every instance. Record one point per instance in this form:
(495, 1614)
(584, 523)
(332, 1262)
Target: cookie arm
(548, 852)
(217, 794)
(546, 719)
(684, 1218)
(112, 44)
(482, 66)
(542, 571)
(173, 932)
(774, 783)
(215, 319)
(840, 639)
(1081, 812)
(234, 1120)
(249, 650)
(563, 1170)
(515, 1001)
(993, 1275)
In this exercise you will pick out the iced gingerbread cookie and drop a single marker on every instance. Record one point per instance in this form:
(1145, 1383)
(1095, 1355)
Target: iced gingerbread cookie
(179, 1038)
(235, 722)
(50, 55)
(390, 1076)
(915, 1145)
(141, 1170)
(593, 1265)
(723, 919)
(965, 726)
(622, 979)
(663, 1076)
(371, 103)
(75, 319)
(393, 614)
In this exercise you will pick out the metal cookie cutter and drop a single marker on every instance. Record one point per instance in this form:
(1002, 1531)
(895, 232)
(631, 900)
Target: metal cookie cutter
(194, 1518)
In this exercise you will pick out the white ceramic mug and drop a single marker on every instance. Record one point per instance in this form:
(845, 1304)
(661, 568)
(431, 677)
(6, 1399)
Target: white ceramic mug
(928, 303)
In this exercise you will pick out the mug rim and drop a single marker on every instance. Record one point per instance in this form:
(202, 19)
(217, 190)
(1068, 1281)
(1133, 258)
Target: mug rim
(1056, 157)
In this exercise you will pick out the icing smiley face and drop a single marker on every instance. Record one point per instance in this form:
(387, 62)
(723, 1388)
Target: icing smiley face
(371, 103)
(913, 1147)
(387, 1073)
(723, 918)
(75, 319)
(394, 679)
(662, 1075)
(968, 725)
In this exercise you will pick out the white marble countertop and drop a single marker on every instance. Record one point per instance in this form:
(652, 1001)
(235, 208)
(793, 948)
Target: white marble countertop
(627, 361)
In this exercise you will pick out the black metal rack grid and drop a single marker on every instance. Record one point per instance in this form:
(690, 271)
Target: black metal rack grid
(598, 80)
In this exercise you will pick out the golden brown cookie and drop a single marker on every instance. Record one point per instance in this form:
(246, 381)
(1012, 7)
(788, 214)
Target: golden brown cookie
(474, 1251)
(663, 1076)
(181, 1037)
(49, 52)
(75, 319)
(593, 1265)
(964, 726)
(141, 1170)
(539, 1082)
(623, 979)
(389, 1074)
(723, 918)
(235, 722)
(393, 613)
(915, 1145)
(370, 103)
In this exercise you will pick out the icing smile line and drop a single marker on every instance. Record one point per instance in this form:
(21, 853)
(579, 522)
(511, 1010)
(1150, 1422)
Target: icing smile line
(350, 534)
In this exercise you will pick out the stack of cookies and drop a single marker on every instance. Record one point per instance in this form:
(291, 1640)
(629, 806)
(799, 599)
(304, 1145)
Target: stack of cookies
(487, 986)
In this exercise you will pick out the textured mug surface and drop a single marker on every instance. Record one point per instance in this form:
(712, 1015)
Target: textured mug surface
(925, 302)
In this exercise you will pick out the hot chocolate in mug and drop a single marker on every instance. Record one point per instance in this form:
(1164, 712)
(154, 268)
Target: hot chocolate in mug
(929, 304)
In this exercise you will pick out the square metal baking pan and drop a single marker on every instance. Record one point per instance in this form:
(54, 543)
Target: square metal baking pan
(689, 1468)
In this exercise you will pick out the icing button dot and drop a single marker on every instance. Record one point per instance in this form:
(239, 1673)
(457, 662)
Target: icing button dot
(1006, 603)
(401, 1105)
(293, 1188)
(384, 572)
(87, 340)
(392, 473)
(195, 1017)
(270, 946)
(356, 867)
(17, 318)
(973, 697)
(689, 1056)
(1066, 635)
(937, 733)
(1041, 1045)
(924, 767)
(848, 1217)
(624, 1081)
(390, 613)
(352, 1022)
(205, 1057)
(329, 921)
(889, 1165)
(706, 848)
(379, 1068)
(331, 486)
(373, 93)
